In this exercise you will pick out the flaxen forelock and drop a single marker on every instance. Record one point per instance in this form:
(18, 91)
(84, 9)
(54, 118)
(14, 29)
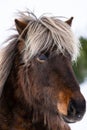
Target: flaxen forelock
(45, 32)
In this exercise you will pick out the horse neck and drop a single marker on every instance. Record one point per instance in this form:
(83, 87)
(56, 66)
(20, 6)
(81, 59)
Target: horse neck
(13, 99)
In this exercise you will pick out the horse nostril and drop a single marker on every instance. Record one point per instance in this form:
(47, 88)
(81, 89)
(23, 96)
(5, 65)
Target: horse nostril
(76, 109)
(71, 109)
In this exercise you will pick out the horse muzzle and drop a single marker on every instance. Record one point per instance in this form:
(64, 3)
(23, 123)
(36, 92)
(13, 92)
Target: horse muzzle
(76, 111)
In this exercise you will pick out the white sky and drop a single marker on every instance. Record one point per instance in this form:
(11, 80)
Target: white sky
(66, 8)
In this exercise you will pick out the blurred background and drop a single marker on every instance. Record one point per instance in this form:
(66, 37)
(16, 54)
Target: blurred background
(65, 8)
(80, 67)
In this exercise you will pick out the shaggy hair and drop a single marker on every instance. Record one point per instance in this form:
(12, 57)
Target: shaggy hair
(46, 32)
(42, 34)
(7, 54)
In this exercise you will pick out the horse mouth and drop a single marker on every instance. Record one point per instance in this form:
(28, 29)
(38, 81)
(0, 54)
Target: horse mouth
(68, 120)
(72, 119)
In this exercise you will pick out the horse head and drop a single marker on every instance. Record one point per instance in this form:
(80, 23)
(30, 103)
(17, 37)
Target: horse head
(46, 48)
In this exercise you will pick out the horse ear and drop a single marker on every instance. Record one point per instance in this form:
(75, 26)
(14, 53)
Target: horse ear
(69, 21)
(20, 25)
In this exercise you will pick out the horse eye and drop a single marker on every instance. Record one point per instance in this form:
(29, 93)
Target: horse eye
(42, 58)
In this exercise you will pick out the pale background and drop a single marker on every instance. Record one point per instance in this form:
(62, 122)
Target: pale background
(66, 8)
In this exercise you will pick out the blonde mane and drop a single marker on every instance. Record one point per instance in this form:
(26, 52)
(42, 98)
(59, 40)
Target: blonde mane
(46, 32)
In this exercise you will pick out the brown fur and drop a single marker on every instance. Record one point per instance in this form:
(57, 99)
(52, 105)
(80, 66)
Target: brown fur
(40, 94)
